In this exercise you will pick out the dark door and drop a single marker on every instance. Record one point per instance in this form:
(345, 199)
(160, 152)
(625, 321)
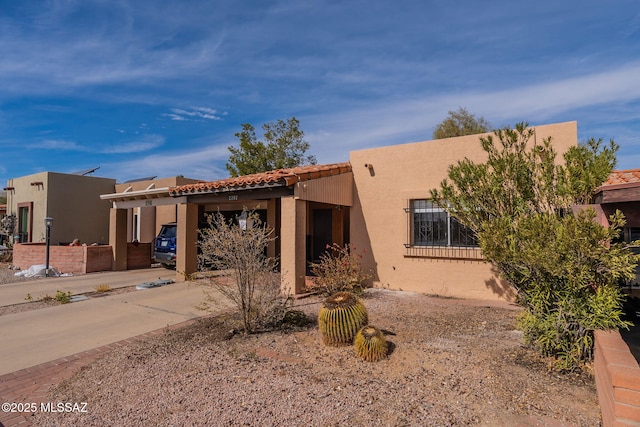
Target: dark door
(322, 232)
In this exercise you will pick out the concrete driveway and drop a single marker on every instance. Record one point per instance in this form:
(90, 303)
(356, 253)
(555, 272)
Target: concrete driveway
(33, 337)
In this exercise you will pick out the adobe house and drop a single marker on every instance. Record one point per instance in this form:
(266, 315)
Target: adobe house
(307, 207)
(72, 200)
(378, 202)
(411, 244)
(140, 207)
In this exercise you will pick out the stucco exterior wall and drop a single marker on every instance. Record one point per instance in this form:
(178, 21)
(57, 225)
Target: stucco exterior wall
(386, 179)
(153, 216)
(74, 204)
(73, 201)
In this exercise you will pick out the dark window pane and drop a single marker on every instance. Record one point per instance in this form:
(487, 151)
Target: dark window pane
(429, 228)
(462, 235)
(432, 226)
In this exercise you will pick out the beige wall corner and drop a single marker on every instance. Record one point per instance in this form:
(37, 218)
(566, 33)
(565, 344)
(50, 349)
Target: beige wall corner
(293, 244)
(118, 237)
(187, 241)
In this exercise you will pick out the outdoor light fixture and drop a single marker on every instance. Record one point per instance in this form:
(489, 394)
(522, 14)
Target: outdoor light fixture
(245, 221)
(48, 222)
(370, 167)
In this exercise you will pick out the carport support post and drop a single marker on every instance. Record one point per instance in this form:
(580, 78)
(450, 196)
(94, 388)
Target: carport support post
(272, 221)
(118, 238)
(187, 241)
(293, 252)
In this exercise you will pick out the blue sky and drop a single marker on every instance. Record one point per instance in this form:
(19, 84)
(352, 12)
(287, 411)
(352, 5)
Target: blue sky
(142, 88)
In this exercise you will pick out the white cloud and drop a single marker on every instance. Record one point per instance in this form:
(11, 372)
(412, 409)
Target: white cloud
(405, 120)
(195, 113)
(198, 164)
(146, 143)
(56, 144)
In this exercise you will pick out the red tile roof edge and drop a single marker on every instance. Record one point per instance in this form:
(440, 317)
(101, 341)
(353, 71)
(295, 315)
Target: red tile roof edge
(630, 177)
(274, 178)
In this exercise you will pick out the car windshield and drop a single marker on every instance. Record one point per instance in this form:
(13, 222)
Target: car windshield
(168, 232)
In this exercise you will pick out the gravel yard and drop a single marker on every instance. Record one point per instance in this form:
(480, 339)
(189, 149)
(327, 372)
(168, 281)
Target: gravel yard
(451, 364)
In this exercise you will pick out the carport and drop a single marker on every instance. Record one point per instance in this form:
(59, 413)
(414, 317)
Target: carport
(308, 207)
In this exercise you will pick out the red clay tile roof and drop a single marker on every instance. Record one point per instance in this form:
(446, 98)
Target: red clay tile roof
(629, 176)
(276, 178)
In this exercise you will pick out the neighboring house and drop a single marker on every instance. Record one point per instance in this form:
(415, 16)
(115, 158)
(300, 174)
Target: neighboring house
(72, 200)
(378, 202)
(621, 191)
(145, 218)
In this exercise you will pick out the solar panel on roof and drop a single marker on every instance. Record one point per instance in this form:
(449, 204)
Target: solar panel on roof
(148, 178)
(86, 171)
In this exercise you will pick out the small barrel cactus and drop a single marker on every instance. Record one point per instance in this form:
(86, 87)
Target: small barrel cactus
(370, 344)
(340, 318)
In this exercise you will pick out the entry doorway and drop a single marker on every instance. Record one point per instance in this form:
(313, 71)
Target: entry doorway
(328, 225)
(322, 232)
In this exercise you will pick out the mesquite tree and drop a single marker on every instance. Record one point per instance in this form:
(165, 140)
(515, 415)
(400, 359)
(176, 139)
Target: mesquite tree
(564, 267)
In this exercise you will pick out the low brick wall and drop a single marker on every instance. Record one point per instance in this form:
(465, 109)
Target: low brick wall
(617, 380)
(65, 259)
(138, 255)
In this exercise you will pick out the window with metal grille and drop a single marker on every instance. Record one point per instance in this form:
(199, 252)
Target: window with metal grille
(430, 225)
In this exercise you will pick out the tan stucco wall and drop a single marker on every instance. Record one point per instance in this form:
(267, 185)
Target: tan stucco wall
(379, 223)
(293, 242)
(73, 201)
(152, 217)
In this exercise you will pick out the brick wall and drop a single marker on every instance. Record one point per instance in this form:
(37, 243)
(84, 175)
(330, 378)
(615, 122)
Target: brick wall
(617, 380)
(65, 259)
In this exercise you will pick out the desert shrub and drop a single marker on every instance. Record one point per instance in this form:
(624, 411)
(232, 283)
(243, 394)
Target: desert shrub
(63, 297)
(563, 265)
(339, 270)
(567, 280)
(103, 288)
(253, 285)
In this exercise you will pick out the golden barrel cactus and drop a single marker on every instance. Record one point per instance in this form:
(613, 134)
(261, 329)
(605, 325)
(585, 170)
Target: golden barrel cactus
(340, 318)
(370, 344)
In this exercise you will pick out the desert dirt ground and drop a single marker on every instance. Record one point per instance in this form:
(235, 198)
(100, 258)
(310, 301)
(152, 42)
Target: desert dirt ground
(451, 363)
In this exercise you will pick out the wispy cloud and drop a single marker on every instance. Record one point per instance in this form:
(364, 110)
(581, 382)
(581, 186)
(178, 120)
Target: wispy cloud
(413, 119)
(58, 145)
(146, 143)
(195, 114)
(77, 76)
(198, 164)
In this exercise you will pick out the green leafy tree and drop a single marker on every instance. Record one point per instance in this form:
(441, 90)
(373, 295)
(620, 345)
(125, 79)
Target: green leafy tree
(564, 267)
(460, 123)
(283, 147)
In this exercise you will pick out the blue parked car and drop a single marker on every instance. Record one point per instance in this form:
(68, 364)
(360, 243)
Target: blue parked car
(164, 250)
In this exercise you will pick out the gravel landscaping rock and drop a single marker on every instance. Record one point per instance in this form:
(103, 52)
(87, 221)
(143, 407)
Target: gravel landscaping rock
(450, 364)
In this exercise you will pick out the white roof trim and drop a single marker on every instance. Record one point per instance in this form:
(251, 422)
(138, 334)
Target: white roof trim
(128, 194)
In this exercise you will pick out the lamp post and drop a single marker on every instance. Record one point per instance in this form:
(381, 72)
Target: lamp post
(48, 222)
